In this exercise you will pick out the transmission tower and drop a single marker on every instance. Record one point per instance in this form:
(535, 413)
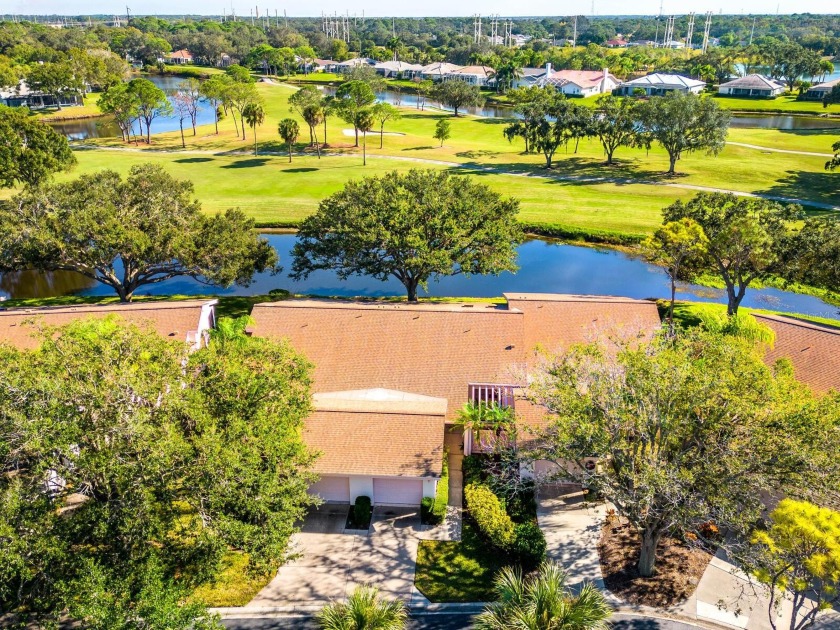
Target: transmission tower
(706, 30)
(690, 34)
(752, 31)
(669, 31)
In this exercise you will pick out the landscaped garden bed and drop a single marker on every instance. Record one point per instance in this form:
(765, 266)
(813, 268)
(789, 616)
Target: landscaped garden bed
(679, 568)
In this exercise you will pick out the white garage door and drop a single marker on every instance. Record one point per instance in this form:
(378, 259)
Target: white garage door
(397, 491)
(334, 489)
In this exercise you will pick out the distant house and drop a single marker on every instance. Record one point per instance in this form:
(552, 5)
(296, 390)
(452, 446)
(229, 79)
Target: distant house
(818, 92)
(660, 84)
(474, 75)
(642, 42)
(530, 76)
(618, 42)
(438, 71)
(323, 65)
(22, 96)
(752, 85)
(398, 69)
(188, 321)
(674, 44)
(224, 61)
(180, 57)
(350, 64)
(580, 83)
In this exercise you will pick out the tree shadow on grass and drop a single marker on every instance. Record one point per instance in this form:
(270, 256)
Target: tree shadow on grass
(300, 169)
(247, 163)
(821, 186)
(193, 160)
(481, 153)
(424, 148)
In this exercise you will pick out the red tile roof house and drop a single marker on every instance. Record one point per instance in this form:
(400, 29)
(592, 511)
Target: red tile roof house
(180, 57)
(188, 320)
(389, 379)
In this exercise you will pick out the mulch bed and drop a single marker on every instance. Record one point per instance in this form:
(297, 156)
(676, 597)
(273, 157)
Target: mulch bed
(678, 568)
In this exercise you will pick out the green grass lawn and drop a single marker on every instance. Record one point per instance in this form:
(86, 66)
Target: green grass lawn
(786, 103)
(457, 571)
(233, 586)
(90, 109)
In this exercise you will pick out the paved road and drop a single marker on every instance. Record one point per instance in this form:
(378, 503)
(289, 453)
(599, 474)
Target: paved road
(448, 621)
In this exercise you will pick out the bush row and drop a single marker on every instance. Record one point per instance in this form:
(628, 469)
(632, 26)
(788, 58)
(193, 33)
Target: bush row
(490, 516)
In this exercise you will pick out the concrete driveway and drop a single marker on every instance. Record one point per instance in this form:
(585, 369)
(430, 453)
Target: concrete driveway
(333, 563)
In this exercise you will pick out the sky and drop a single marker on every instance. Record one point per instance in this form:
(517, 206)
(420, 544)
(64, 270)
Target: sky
(414, 9)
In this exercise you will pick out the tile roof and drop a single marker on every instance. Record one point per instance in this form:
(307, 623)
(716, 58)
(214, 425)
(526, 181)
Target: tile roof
(174, 319)
(428, 349)
(582, 78)
(814, 350)
(474, 70)
(440, 67)
(825, 87)
(754, 81)
(398, 66)
(181, 54)
(368, 443)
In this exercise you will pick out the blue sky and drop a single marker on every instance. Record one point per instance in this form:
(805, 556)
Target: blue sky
(424, 8)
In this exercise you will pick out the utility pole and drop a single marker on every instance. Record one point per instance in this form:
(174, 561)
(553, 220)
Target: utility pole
(574, 33)
(706, 30)
(690, 34)
(127, 15)
(752, 32)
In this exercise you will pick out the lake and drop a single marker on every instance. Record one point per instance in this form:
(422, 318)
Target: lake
(545, 267)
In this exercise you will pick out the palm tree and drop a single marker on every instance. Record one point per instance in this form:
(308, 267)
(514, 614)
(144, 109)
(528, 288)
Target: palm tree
(289, 131)
(543, 602)
(254, 114)
(364, 123)
(364, 610)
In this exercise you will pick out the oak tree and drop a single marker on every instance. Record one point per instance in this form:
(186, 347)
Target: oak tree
(413, 226)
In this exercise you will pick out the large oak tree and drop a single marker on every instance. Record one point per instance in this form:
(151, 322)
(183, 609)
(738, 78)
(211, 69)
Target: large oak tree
(688, 429)
(129, 466)
(129, 233)
(414, 227)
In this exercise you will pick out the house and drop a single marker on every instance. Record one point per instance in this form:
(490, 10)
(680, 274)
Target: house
(438, 71)
(22, 96)
(323, 65)
(530, 76)
(224, 61)
(180, 57)
(642, 43)
(813, 349)
(474, 75)
(674, 44)
(390, 379)
(580, 83)
(752, 85)
(819, 91)
(617, 42)
(188, 321)
(658, 84)
(350, 64)
(398, 69)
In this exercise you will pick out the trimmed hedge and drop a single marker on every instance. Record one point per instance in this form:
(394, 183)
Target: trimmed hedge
(529, 545)
(362, 511)
(490, 516)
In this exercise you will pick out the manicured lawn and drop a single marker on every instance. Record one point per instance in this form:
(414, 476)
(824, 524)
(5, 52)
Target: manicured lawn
(785, 103)
(811, 140)
(688, 313)
(90, 109)
(457, 571)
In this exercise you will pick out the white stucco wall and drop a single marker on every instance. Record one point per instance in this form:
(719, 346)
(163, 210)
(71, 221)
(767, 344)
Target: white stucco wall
(360, 487)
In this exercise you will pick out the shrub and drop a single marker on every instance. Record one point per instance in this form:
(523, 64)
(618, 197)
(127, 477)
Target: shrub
(488, 513)
(427, 511)
(472, 467)
(529, 545)
(361, 512)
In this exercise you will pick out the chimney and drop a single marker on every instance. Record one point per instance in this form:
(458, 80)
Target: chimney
(547, 70)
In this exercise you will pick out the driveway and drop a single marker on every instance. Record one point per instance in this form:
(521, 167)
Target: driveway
(333, 563)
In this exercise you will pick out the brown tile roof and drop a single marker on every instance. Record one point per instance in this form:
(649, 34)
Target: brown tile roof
(19, 326)
(429, 349)
(814, 350)
(181, 54)
(367, 443)
(556, 322)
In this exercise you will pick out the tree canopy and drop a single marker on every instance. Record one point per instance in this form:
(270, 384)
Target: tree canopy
(745, 237)
(129, 233)
(687, 429)
(457, 95)
(352, 99)
(123, 483)
(684, 123)
(414, 227)
(30, 150)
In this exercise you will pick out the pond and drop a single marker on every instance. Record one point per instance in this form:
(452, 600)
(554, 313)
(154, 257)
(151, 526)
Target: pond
(545, 267)
(105, 127)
